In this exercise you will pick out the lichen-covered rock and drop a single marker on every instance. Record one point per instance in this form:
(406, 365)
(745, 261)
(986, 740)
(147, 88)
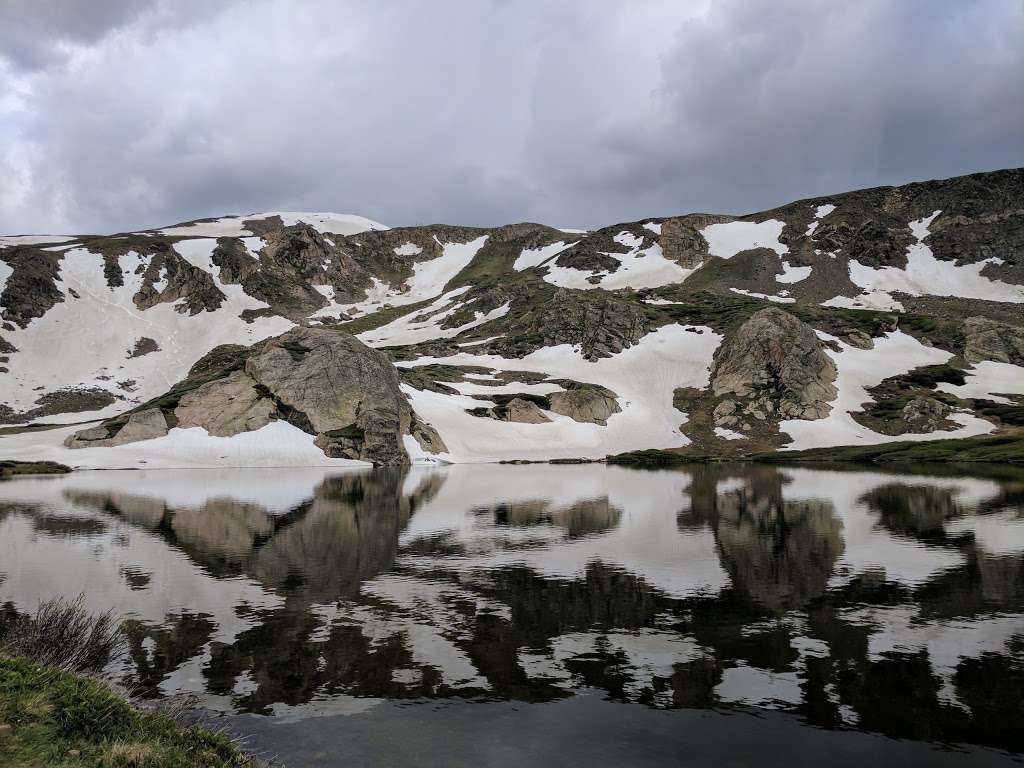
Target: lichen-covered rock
(601, 325)
(524, 412)
(585, 404)
(428, 438)
(924, 414)
(777, 367)
(226, 406)
(860, 340)
(986, 339)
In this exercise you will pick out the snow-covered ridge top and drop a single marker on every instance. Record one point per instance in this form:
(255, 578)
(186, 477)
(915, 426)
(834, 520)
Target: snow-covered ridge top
(323, 222)
(9, 240)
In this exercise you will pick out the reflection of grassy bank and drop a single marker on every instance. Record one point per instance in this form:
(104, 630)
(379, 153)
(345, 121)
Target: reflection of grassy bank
(994, 449)
(55, 712)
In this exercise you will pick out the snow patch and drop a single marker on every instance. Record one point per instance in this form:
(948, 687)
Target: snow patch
(791, 274)
(860, 369)
(756, 295)
(231, 226)
(32, 239)
(278, 444)
(532, 257)
(647, 268)
(6, 270)
(728, 239)
(430, 277)
(986, 380)
(925, 275)
(85, 342)
(408, 249)
(643, 376)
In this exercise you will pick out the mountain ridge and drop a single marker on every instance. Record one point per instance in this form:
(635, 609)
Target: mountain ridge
(488, 326)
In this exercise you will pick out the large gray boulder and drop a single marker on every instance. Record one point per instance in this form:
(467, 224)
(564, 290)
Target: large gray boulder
(326, 382)
(773, 367)
(585, 404)
(141, 425)
(334, 386)
(986, 339)
(524, 412)
(225, 407)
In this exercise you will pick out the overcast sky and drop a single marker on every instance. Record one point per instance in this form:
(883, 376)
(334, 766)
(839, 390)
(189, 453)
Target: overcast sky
(124, 114)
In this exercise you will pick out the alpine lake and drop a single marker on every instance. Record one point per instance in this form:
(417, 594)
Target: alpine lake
(570, 615)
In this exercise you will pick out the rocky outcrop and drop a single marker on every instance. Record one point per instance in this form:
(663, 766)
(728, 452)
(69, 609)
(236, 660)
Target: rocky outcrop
(587, 404)
(773, 367)
(143, 346)
(226, 406)
(170, 279)
(600, 324)
(986, 339)
(682, 242)
(524, 412)
(924, 414)
(323, 381)
(332, 385)
(141, 425)
(31, 289)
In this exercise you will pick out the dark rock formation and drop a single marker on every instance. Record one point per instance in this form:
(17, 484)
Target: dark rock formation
(599, 323)
(773, 367)
(190, 288)
(143, 346)
(31, 289)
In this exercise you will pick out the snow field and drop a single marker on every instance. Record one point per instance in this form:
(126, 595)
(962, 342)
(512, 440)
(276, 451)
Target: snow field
(859, 369)
(85, 342)
(643, 376)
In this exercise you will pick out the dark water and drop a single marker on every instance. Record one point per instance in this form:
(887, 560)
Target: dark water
(570, 615)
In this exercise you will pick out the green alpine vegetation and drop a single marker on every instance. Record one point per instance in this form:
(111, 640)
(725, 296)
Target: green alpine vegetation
(57, 711)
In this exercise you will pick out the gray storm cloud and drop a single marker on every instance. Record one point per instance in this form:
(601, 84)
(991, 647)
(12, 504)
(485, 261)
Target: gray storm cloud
(120, 115)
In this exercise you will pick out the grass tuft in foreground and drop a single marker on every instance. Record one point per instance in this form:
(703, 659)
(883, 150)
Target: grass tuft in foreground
(64, 635)
(54, 714)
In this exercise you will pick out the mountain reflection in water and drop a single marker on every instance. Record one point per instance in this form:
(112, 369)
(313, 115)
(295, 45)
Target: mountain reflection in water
(879, 602)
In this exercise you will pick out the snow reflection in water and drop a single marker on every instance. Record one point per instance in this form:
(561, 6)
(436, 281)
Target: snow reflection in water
(890, 603)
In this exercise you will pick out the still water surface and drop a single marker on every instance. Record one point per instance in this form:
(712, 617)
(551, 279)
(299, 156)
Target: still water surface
(570, 615)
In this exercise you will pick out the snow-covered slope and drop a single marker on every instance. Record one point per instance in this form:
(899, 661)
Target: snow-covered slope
(633, 316)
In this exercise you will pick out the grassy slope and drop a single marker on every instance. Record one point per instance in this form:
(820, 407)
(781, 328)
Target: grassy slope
(53, 718)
